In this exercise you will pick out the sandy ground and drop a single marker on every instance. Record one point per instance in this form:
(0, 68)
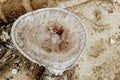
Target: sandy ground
(101, 58)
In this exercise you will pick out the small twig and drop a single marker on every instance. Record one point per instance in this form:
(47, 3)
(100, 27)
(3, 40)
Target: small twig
(7, 44)
(2, 52)
(33, 71)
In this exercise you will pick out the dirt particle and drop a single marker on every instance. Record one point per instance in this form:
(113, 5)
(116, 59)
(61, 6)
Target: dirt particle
(11, 77)
(97, 49)
(71, 74)
(7, 79)
(91, 33)
(110, 10)
(97, 69)
(117, 76)
(77, 65)
(116, 36)
(118, 27)
(100, 78)
(97, 14)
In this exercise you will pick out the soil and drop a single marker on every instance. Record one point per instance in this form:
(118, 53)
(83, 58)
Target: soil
(100, 60)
